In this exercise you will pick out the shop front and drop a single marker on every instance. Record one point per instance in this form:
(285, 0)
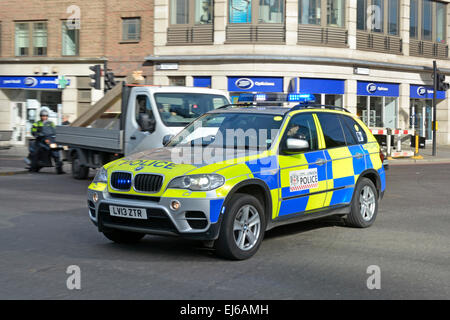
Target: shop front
(239, 85)
(421, 109)
(326, 91)
(377, 104)
(27, 95)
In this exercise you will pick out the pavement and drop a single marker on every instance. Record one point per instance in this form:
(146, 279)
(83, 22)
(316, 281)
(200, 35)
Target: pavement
(45, 229)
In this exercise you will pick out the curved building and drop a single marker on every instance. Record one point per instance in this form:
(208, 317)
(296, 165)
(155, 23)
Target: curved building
(372, 56)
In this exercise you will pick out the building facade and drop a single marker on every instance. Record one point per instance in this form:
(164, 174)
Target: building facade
(47, 48)
(370, 56)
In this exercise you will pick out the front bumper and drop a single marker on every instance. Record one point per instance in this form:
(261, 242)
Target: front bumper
(192, 220)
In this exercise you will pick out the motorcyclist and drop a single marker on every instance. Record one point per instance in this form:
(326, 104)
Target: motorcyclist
(43, 130)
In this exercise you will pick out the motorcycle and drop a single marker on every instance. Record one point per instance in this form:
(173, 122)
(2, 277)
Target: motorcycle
(44, 148)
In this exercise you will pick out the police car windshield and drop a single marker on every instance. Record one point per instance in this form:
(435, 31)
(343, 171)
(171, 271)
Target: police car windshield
(230, 130)
(180, 109)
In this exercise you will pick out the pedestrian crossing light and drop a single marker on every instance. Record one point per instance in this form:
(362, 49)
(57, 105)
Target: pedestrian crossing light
(96, 76)
(441, 84)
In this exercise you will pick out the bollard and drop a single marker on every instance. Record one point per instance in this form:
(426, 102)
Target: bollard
(416, 145)
(388, 142)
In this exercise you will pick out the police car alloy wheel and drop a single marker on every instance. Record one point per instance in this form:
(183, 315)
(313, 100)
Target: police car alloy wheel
(242, 228)
(364, 207)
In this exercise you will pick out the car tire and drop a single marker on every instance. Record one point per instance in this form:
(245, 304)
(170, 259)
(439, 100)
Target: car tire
(242, 229)
(364, 206)
(79, 171)
(123, 237)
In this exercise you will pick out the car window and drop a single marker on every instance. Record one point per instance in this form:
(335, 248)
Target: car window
(350, 137)
(144, 111)
(302, 126)
(332, 130)
(356, 130)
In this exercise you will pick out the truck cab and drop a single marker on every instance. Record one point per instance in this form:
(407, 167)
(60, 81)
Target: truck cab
(136, 121)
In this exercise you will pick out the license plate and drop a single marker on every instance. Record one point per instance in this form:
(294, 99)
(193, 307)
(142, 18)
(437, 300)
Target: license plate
(124, 212)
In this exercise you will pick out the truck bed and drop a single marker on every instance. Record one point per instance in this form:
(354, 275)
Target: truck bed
(90, 138)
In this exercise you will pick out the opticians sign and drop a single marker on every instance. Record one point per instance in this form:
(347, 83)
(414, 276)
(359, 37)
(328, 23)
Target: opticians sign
(366, 88)
(255, 84)
(424, 92)
(23, 82)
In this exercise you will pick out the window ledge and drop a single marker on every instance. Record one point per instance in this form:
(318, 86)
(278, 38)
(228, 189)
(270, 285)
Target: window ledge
(129, 41)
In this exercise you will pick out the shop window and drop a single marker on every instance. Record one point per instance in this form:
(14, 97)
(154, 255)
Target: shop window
(70, 39)
(177, 81)
(379, 112)
(131, 29)
(31, 38)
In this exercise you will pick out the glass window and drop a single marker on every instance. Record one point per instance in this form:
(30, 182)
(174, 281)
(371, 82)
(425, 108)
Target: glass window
(332, 130)
(353, 128)
(378, 14)
(335, 12)
(179, 109)
(203, 11)
(179, 12)
(131, 29)
(426, 20)
(393, 17)
(440, 22)
(334, 100)
(376, 116)
(361, 109)
(302, 126)
(271, 11)
(70, 40)
(361, 14)
(22, 39)
(144, 112)
(309, 12)
(40, 38)
(413, 21)
(177, 81)
(240, 11)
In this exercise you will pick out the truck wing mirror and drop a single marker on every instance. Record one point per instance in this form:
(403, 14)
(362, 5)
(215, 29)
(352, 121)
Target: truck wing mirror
(167, 139)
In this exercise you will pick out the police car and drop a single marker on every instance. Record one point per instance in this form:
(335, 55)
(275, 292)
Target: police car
(241, 170)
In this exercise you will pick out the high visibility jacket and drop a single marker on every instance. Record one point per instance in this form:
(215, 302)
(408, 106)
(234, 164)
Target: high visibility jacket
(36, 130)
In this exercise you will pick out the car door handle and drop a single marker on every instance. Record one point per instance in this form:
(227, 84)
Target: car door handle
(359, 155)
(320, 162)
(133, 138)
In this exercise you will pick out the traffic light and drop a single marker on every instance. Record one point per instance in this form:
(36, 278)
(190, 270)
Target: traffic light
(109, 80)
(96, 76)
(440, 82)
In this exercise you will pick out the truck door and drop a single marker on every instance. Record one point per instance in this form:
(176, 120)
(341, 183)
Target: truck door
(141, 126)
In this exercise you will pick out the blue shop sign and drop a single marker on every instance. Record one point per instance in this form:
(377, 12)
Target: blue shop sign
(203, 82)
(379, 89)
(424, 92)
(317, 86)
(18, 82)
(255, 84)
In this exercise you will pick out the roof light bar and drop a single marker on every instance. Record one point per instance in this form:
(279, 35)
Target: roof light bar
(277, 97)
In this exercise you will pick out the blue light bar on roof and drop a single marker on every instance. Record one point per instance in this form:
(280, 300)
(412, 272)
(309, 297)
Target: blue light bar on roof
(276, 97)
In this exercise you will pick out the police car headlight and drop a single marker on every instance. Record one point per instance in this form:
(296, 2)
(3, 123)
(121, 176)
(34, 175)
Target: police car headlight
(101, 176)
(198, 182)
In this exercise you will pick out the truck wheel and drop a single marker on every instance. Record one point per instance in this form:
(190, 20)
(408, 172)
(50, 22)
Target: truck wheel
(242, 228)
(364, 206)
(79, 171)
(123, 237)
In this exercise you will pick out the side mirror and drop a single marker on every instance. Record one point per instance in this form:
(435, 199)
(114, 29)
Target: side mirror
(146, 123)
(167, 139)
(294, 145)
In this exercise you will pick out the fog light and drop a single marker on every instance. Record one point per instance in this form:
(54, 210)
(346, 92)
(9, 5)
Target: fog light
(95, 197)
(175, 205)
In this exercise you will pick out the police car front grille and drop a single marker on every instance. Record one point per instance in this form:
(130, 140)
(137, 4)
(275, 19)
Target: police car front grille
(148, 182)
(121, 180)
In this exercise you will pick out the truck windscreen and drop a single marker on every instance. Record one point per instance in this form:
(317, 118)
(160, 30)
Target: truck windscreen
(180, 109)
